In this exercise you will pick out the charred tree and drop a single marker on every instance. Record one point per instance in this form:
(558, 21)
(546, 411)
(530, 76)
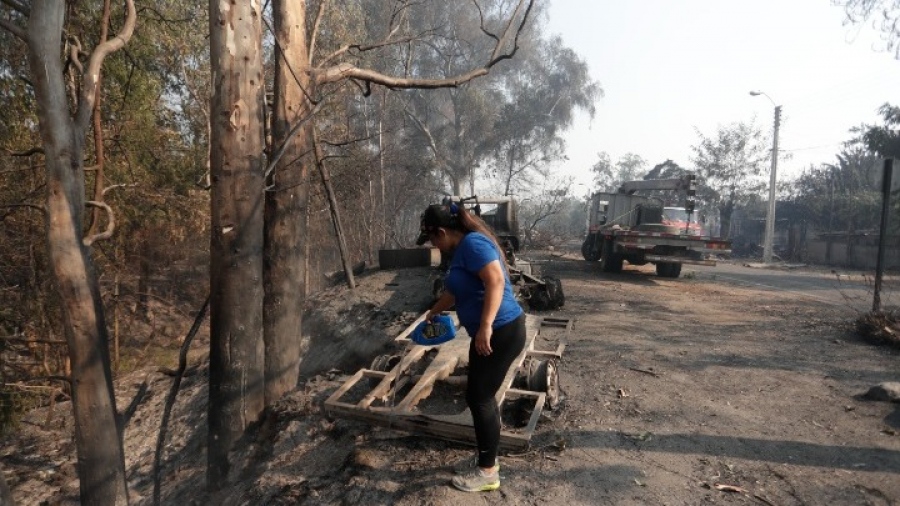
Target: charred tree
(236, 385)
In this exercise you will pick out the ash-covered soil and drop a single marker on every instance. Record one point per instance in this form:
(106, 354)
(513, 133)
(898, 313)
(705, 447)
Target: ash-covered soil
(678, 392)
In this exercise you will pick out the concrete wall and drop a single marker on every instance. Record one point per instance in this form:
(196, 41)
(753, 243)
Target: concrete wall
(859, 252)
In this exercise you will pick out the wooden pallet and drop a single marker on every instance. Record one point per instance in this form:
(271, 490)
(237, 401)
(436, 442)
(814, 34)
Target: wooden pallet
(392, 401)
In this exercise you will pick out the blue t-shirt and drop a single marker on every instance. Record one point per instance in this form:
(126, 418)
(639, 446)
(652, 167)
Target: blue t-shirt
(474, 252)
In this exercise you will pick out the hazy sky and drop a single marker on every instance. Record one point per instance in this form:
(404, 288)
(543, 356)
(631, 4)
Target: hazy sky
(671, 67)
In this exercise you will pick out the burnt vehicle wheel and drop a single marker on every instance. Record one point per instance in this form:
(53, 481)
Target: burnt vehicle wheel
(543, 376)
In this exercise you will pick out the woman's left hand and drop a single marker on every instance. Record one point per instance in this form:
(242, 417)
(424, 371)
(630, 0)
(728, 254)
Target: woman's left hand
(483, 340)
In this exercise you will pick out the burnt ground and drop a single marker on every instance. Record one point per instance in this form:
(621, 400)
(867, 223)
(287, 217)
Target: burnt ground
(677, 392)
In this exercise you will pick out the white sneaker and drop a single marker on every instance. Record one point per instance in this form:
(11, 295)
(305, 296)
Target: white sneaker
(478, 480)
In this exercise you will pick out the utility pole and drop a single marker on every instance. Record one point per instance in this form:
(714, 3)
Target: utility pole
(770, 214)
(882, 231)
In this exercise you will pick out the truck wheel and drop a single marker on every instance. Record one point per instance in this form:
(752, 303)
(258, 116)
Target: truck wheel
(588, 251)
(668, 270)
(609, 260)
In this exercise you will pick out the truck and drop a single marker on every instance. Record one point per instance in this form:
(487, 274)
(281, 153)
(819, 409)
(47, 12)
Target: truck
(624, 226)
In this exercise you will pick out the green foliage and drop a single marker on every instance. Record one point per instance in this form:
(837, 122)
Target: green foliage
(729, 167)
(844, 195)
(883, 140)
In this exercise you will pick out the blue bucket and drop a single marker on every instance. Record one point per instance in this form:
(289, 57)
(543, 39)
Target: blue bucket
(438, 331)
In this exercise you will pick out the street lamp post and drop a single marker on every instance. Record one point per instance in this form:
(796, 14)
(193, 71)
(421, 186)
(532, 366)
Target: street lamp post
(770, 213)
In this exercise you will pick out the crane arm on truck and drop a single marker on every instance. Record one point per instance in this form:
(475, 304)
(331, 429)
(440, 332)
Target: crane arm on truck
(686, 184)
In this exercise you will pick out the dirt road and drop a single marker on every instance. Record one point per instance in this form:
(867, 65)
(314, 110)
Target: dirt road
(676, 386)
(678, 392)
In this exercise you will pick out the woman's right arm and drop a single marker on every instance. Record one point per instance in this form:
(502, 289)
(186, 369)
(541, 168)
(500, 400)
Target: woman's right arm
(444, 302)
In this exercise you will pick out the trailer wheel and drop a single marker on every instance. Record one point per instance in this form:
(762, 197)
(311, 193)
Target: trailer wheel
(668, 270)
(609, 260)
(543, 376)
(384, 363)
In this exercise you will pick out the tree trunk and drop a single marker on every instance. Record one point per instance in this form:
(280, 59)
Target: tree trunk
(286, 201)
(335, 216)
(236, 384)
(98, 439)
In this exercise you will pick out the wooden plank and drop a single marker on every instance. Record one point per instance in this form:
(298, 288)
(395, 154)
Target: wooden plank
(545, 354)
(347, 386)
(430, 425)
(450, 354)
(387, 383)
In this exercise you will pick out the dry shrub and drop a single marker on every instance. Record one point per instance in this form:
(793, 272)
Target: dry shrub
(880, 327)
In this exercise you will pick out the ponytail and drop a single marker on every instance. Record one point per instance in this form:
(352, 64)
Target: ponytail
(469, 222)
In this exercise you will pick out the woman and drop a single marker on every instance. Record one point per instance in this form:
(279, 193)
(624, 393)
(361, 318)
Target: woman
(477, 283)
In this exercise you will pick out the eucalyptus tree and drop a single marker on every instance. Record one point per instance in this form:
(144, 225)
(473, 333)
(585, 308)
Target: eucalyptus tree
(237, 168)
(40, 25)
(608, 176)
(602, 170)
(729, 164)
(542, 93)
(510, 124)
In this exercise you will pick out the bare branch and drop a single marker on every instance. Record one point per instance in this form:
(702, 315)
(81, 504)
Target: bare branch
(110, 226)
(361, 48)
(21, 169)
(170, 399)
(75, 53)
(113, 187)
(287, 140)
(432, 144)
(497, 55)
(12, 28)
(347, 71)
(92, 77)
(28, 152)
(42, 209)
(484, 30)
(18, 7)
(315, 31)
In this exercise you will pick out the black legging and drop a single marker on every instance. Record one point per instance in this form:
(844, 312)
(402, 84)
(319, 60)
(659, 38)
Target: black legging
(485, 378)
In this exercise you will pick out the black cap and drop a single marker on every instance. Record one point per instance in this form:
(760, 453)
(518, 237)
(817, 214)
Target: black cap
(434, 217)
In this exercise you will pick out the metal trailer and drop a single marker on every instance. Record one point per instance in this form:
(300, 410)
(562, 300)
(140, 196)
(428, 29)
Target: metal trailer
(395, 392)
